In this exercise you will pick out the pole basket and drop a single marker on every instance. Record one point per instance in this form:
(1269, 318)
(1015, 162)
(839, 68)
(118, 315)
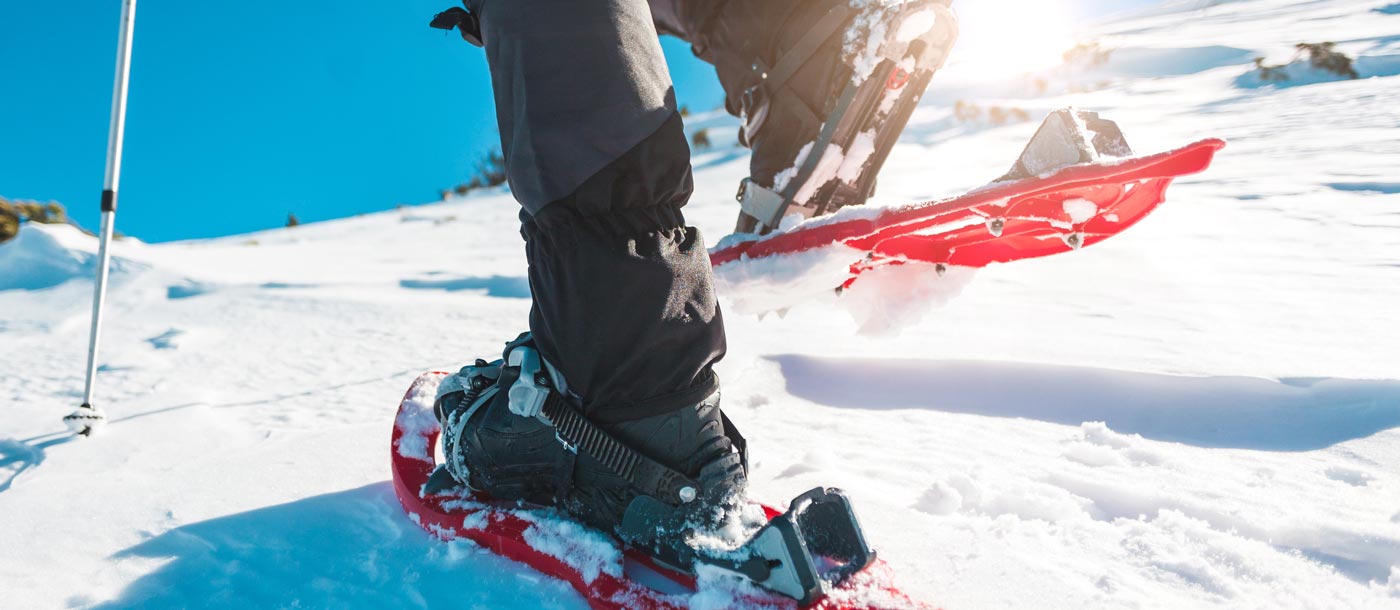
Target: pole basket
(86, 420)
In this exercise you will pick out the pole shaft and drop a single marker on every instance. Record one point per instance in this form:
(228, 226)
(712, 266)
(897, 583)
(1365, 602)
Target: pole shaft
(110, 184)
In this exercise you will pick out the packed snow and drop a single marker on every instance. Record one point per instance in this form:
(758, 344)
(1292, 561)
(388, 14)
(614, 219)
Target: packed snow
(1201, 412)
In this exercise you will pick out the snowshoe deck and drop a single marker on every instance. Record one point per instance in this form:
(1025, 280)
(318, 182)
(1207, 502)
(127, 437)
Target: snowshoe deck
(1055, 212)
(608, 576)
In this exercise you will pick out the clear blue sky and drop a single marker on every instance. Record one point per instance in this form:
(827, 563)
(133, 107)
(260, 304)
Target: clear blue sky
(242, 112)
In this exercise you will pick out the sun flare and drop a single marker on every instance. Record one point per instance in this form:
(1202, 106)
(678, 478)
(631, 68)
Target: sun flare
(1006, 38)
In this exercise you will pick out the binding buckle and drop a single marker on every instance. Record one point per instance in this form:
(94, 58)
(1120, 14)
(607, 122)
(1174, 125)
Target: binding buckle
(767, 205)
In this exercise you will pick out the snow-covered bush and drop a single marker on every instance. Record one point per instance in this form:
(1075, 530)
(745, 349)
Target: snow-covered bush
(1322, 55)
(1270, 74)
(13, 213)
(1313, 62)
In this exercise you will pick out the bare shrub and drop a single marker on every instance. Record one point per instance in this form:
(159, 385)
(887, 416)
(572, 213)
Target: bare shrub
(972, 112)
(490, 171)
(1269, 74)
(966, 111)
(700, 139)
(15, 213)
(1088, 54)
(1323, 56)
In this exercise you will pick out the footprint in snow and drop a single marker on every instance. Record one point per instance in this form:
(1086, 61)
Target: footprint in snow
(940, 499)
(188, 289)
(1350, 476)
(167, 340)
(812, 462)
(501, 286)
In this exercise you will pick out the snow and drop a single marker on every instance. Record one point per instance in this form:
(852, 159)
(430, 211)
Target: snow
(831, 164)
(417, 421)
(860, 53)
(915, 24)
(854, 160)
(42, 256)
(756, 286)
(888, 299)
(1201, 412)
(1080, 210)
(587, 549)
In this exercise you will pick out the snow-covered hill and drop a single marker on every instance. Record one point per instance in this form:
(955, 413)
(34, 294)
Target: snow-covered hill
(1202, 412)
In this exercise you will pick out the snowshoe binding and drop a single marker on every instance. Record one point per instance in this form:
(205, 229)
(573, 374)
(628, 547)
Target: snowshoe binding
(511, 432)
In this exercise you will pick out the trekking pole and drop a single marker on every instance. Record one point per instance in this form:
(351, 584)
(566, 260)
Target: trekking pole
(88, 417)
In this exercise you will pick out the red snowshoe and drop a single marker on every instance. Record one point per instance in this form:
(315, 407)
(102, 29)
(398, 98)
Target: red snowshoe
(1076, 184)
(610, 576)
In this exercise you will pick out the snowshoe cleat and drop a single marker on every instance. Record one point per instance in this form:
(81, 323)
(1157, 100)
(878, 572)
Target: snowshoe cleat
(824, 116)
(801, 554)
(1066, 137)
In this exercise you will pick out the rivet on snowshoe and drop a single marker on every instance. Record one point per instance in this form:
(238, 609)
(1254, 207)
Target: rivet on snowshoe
(478, 383)
(541, 379)
(687, 494)
(995, 226)
(1073, 240)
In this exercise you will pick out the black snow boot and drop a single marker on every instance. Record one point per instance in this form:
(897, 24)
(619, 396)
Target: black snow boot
(695, 441)
(824, 87)
(489, 448)
(512, 431)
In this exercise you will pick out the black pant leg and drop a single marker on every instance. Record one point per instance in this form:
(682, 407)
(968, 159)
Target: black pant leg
(577, 83)
(624, 302)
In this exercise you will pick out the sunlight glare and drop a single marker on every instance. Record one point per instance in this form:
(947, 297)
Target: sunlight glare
(1006, 38)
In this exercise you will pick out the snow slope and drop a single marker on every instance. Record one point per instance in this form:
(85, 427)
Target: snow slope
(1202, 412)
